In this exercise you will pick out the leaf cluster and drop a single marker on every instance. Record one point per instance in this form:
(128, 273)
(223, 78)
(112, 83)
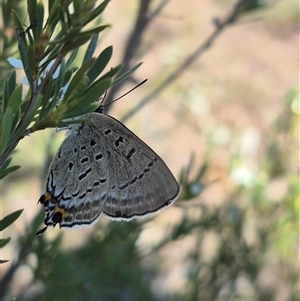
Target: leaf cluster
(59, 91)
(60, 88)
(6, 222)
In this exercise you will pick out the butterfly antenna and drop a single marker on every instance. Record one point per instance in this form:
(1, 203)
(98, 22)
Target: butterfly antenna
(138, 85)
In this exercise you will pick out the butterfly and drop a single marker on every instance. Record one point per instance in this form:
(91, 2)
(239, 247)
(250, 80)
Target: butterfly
(104, 168)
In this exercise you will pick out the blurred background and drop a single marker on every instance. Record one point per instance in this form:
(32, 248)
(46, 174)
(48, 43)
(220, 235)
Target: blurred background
(224, 116)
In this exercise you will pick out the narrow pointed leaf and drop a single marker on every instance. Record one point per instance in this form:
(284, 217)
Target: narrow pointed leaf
(5, 129)
(111, 72)
(79, 111)
(77, 78)
(126, 74)
(91, 48)
(9, 219)
(16, 99)
(96, 12)
(98, 88)
(100, 63)
(6, 171)
(4, 242)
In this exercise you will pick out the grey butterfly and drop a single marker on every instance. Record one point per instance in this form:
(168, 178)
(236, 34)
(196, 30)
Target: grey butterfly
(102, 167)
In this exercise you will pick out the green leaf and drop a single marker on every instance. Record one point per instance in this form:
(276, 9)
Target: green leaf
(60, 79)
(5, 171)
(5, 129)
(93, 31)
(9, 219)
(32, 8)
(68, 76)
(86, 96)
(4, 242)
(66, 122)
(17, 20)
(126, 74)
(46, 103)
(25, 64)
(72, 58)
(254, 5)
(28, 120)
(97, 89)
(96, 12)
(15, 99)
(44, 124)
(53, 14)
(6, 163)
(77, 9)
(78, 78)
(91, 48)
(66, 37)
(12, 81)
(11, 117)
(22, 48)
(16, 119)
(39, 17)
(78, 111)
(31, 59)
(78, 42)
(9, 86)
(111, 72)
(100, 63)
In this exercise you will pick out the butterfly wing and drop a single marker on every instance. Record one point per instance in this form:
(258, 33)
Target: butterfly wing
(76, 185)
(140, 183)
(103, 167)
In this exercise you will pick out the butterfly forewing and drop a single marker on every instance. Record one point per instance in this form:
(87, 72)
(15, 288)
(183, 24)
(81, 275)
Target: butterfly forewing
(145, 184)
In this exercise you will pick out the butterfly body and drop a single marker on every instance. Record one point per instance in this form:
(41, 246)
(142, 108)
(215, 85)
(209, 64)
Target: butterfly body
(104, 168)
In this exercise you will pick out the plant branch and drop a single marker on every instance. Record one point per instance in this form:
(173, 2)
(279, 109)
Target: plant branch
(31, 104)
(133, 43)
(200, 50)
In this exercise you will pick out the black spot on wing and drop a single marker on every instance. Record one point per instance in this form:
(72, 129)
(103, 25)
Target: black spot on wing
(82, 196)
(118, 141)
(98, 157)
(133, 180)
(83, 175)
(131, 152)
(57, 217)
(124, 186)
(151, 163)
(84, 160)
(75, 194)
